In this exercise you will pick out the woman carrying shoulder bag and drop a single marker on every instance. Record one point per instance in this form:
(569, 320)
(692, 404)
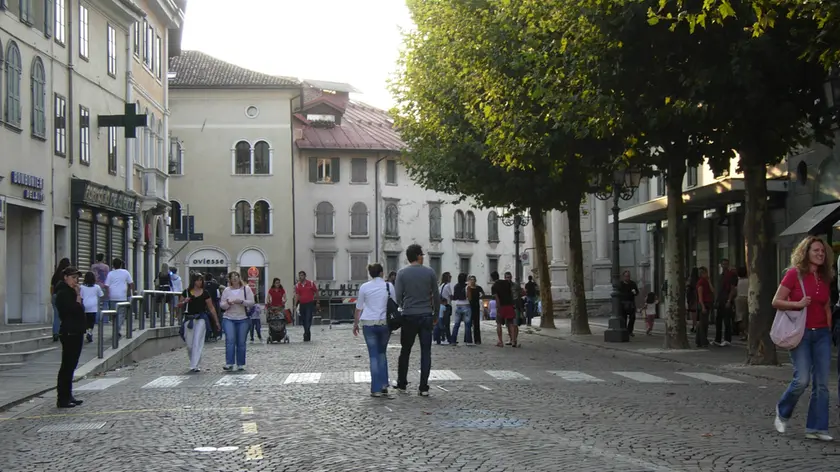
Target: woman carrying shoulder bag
(805, 287)
(372, 314)
(236, 300)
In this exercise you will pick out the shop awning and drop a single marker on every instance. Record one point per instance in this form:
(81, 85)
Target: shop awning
(814, 219)
(719, 193)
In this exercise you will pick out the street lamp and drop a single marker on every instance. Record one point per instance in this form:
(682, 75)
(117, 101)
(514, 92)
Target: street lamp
(625, 181)
(516, 219)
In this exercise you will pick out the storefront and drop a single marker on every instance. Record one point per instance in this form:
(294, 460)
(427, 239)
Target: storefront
(207, 260)
(101, 219)
(252, 269)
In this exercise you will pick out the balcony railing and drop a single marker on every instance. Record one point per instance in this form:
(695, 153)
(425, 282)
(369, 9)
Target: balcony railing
(154, 184)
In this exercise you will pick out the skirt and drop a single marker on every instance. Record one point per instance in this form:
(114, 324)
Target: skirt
(741, 309)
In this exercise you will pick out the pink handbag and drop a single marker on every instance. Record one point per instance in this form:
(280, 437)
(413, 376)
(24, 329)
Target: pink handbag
(789, 326)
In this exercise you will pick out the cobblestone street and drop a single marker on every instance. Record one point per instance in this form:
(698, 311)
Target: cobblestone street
(552, 405)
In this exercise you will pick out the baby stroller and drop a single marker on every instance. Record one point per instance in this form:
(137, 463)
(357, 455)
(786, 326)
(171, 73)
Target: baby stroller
(277, 319)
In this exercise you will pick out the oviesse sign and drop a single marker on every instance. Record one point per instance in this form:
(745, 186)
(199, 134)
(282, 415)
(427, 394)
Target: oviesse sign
(208, 262)
(208, 258)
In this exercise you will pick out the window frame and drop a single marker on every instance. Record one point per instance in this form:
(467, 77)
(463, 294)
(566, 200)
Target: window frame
(113, 150)
(176, 157)
(469, 226)
(269, 217)
(315, 258)
(435, 214)
(12, 96)
(60, 33)
(692, 176)
(176, 213)
(353, 164)
(461, 259)
(84, 32)
(460, 224)
(158, 57)
(392, 228)
(436, 260)
(84, 135)
(331, 214)
(111, 50)
(148, 38)
(38, 87)
(136, 40)
(247, 218)
(59, 125)
(324, 175)
(391, 167)
(491, 260)
(493, 227)
(366, 216)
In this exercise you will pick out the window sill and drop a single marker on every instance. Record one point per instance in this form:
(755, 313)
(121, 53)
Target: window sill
(358, 236)
(84, 163)
(391, 184)
(323, 236)
(62, 155)
(36, 137)
(436, 239)
(392, 237)
(465, 240)
(358, 183)
(13, 127)
(83, 57)
(112, 75)
(251, 234)
(321, 183)
(60, 43)
(493, 241)
(112, 172)
(252, 175)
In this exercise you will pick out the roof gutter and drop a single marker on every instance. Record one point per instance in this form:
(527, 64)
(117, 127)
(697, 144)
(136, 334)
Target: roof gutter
(376, 192)
(292, 160)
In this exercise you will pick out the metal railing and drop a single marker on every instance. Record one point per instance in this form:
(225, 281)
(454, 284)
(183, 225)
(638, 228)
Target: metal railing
(149, 307)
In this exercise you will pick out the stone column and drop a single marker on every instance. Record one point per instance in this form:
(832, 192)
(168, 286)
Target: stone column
(559, 256)
(645, 274)
(602, 266)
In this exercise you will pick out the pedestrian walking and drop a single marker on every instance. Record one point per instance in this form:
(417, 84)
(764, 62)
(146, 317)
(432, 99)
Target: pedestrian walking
(212, 287)
(92, 294)
(236, 300)
(704, 306)
(502, 291)
(742, 315)
(628, 291)
(57, 277)
(256, 323)
(442, 333)
(649, 309)
(691, 296)
(198, 313)
(305, 292)
(71, 312)
(462, 311)
(474, 294)
(371, 315)
(120, 285)
(805, 287)
(418, 296)
(531, 299)
(725, 304)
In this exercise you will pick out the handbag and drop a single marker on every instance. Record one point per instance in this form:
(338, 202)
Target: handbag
(789, 325)
(393, 315)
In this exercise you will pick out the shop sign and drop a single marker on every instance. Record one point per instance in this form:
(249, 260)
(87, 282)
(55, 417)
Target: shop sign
(33, 185)
(733, 208)
(253, 278)
(89, 193)
(208, 258)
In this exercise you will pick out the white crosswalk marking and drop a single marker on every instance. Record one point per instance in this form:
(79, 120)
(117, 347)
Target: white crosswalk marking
(506, 375)
(642, 377)
(167, 381)
(100, 384)
(236, 380)
(304, 378)
(575, 376)
(443, 375)
(361, 377)
(711, 378)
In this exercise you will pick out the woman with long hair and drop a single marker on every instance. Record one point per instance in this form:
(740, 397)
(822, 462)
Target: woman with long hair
(276, 301)
(462, 311)
(236, 300)
(441, 330)
(56, 278)
(371, 313)
(71, 312)
(805, 287)
(92, 294)
(196, 317)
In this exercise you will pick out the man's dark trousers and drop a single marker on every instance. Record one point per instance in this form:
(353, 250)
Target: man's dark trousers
(307, 311)
(416, 326)
(723, 323)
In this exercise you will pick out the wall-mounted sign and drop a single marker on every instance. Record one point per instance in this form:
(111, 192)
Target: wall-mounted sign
(33, 185)
(84, 192)
(253, 278)
(207, 258)
(733, 208)
(709, 214)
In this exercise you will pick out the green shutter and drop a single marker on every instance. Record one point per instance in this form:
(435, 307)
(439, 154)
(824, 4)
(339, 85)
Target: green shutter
(313, 169)
(335, 168)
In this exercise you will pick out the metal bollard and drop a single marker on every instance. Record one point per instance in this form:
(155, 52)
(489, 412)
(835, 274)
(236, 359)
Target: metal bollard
(162, 310)
(147, 309)
(115, 329)
(100, 332)
(136, 310)
(124, 309)
(153, 306)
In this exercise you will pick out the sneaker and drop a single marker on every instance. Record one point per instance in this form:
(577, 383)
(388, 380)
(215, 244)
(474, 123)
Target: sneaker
(402, 390)
(376, 394)
(195, 370)
(424, 393)
(780, 424)
(818, 436)
(89, 337)
(240, 368)
(227, 368)
(725, 344)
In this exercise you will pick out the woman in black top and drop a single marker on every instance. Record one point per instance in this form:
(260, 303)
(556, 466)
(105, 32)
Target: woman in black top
(198, 312)
(56, 278)
(68, 301)
(474, 294)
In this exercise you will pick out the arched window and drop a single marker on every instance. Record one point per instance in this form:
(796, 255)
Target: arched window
(175, 217)
(13, 73)
(459, 224)
(469, 230)
(324, 214)
(262, 217)
(359, 219)
(39, 98)
(261, 158)
(435, 225)
(392, 220)
(242, 218)
(243, 158)
(492, 226)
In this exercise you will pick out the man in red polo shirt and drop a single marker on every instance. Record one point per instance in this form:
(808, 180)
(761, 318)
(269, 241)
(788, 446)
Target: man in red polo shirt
(305, 292)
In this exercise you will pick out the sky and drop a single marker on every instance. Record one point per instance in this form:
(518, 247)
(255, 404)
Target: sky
(355, 42)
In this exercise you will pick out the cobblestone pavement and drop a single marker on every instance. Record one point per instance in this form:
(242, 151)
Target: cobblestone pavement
(552, 405)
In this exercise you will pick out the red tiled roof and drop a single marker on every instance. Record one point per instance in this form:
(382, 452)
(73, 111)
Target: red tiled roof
(362, 127)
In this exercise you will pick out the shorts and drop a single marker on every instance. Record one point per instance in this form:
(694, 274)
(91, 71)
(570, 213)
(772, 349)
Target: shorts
(505, 314)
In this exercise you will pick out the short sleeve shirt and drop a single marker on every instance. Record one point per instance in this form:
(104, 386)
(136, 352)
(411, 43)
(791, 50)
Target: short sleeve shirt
(306, 291)
(196, 305)
(504, 290)
(819, 292)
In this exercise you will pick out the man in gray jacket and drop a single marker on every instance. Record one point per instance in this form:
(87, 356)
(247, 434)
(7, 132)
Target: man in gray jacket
(417, 294)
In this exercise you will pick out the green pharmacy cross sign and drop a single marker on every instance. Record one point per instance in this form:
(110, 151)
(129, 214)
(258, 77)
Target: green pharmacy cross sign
(130, 120)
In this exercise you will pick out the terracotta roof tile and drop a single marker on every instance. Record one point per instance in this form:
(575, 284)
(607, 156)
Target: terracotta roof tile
(195, 69)
(363, 127)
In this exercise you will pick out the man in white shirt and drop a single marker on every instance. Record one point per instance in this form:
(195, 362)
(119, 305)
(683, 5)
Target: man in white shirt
(120, 286)
(177, 285)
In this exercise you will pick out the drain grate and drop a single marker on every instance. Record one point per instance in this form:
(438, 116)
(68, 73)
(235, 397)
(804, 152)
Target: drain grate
(55, 428)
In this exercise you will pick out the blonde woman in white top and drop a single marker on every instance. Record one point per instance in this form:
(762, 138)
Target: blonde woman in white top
(236, 300)
(742, 315)
(371, 314)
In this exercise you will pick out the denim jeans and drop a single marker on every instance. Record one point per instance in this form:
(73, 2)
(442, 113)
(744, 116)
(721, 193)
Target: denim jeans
(376, 338)
(811, 360)
(56, 322)
(530, 308)
(441, 329)
(256, 326)
(415, 326)
(307, 311)
(462, 312)
(235, 333)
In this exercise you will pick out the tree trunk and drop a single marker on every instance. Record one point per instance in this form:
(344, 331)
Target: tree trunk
(674, 296)
(580, 319)
(547, 315)
(760, 349)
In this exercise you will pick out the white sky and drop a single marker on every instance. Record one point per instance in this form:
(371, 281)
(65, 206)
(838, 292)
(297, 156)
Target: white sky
(352, 41)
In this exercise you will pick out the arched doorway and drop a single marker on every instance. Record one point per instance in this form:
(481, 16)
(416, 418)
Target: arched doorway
(253, 268)
(208, 260)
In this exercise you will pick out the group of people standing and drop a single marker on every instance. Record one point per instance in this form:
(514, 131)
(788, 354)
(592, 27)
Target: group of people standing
(727, 306)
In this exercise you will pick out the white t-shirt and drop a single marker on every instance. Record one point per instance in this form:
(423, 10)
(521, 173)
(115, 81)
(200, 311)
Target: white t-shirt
(373, 299)
(90, 297)
(445, 292)
(650, 308)
(177, 283)
(117, 283)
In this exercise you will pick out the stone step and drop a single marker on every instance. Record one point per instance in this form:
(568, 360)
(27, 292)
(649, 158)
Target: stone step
(10, 366)
(18, 334)
(27, 345)
(17, 357)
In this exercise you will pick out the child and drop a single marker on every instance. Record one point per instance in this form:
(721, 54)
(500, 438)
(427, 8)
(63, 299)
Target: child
(492, 308)
(91, 294)
(650, 311)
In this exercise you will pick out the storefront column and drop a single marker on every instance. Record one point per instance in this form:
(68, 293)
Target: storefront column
(645, 275)
(602, 266)
(559, 256)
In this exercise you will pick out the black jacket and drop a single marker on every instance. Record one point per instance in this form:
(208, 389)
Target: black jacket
(70, 312)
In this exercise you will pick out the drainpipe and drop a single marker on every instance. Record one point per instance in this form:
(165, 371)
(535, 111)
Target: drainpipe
(292, 160)
(164, 80)
(376, 192)
(129, 98)
(71, 70)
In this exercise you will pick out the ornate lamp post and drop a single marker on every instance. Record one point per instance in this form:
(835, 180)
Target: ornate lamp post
(518, 220)
(625, 180)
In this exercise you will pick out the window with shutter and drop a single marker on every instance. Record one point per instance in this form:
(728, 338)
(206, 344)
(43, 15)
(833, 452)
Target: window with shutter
(359, 220)
(358, 267)
(335, 169)
(391, 173)
(459, 224)
(392, 218)
(464, 265)
(358, 170)
(435, 232)
(492, 227)
(324, 170)
(393, 262)
(469, 231)
(435, 263)
(324, 213)
(324, 266)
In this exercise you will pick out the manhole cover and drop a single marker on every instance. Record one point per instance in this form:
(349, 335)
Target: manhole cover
(71, 427)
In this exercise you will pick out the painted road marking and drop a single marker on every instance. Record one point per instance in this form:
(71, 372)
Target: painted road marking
(114, 412)
(445, 390)
(57, 428)
(167, 381)
(100, 384)
(254, 453)
(360, 377)
(506, 375)
(304, 378)
(642, 377)
(246, 410)
(711, 378)
(485, 388)
(237, 380)
(574, 376)
(442, 375)
(249, 428)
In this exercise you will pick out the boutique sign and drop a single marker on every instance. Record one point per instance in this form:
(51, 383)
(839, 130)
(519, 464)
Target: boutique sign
(207, 258)
(33, 186)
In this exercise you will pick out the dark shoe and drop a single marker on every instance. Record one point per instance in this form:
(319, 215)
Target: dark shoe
(55, 338)
(89, 338)
(61, 404)
(76, 402)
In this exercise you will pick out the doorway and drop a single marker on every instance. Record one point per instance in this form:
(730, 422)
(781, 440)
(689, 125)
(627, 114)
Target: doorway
(24, 265)
(60, 238)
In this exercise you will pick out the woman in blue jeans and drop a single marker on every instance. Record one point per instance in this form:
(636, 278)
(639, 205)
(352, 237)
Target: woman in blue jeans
(805, 287)
(371, 314)
(236, 300)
